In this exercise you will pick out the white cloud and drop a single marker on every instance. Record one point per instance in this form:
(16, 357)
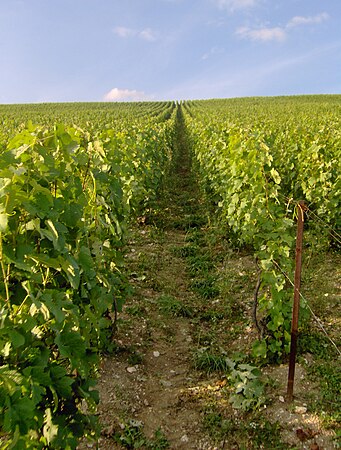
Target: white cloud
(124, 95)
(279, 34)
(308, 20)
(124, 32)
(213, 51)
(233, 5)
(147, 34)
(262, 34)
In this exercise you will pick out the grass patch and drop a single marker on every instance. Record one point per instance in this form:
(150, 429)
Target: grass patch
(135, 358)
(185, 251)
(132, 436)
(328, 405)
(171, 306)
(317, 344)
(252, 432)
(205, 287)
(211, 315)
(136, 310)
(207, 361)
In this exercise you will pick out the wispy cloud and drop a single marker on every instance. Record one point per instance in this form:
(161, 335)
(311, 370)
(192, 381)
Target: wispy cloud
(147, 34)
(233, 5)
(250, 81)
(124, 32)
(124, 95)
(212, 52)
(262, 34)
(307, 20)
(279, 34)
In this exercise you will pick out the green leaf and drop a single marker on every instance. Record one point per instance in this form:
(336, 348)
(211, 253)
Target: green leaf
(63, 386)
(86, 262)
(4, 182)
(50, 430)
(55, 306)
(259, 349)
(17, 339)
(275, 175)
(70, 344)
(3, 222)
(71, 269)
(10, 379)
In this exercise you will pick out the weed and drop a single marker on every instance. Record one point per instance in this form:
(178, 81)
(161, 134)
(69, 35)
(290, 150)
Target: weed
(130, 353)
(205, 287)
(136, 310)
(210, 362)
(159, 442)
(329, 378)
(211, 315)
(132, 437)
(316, 344)
(184, 223)
(200, 264)
(205, 339)
(264, 434)
(326, 372)
(248, 389)
(171, 306)
(217, 425)
(256, 433)
(185, 251)
(195, 236)
(135, 358)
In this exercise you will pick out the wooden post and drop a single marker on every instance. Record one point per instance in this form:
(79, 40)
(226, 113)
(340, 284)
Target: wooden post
(295, 311)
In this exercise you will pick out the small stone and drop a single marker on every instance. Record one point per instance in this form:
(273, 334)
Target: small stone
(166, 383)
(136, 423)
(131, 369)
(184, 438)
(156, 354)
(142, 379)
(300, 409)
(281, 399)
(108, 431)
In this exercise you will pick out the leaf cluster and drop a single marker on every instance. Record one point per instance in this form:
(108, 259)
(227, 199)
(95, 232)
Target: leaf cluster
(65, 198)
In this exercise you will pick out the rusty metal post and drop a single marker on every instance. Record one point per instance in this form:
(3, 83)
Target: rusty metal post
(295, 311)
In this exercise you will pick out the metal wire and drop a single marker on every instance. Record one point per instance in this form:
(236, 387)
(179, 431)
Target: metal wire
(333, 233)
(337, 238)
(317, 319)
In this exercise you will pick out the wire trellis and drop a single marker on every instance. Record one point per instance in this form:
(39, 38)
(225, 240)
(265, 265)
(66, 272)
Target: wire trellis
(317, 319)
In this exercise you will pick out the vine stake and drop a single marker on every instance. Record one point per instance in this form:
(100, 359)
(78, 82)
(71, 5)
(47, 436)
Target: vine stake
(301, 207)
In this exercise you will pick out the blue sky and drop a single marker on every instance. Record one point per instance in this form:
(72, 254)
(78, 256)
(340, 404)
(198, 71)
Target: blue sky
(119, 50)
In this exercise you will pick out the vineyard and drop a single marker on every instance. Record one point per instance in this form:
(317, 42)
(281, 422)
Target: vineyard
(273, 160)
(79, 182)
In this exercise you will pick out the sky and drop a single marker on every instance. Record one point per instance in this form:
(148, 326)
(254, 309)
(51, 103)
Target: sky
(136, 50)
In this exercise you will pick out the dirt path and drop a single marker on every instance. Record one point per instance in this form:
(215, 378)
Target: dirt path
(145, 388)
(146, 384)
